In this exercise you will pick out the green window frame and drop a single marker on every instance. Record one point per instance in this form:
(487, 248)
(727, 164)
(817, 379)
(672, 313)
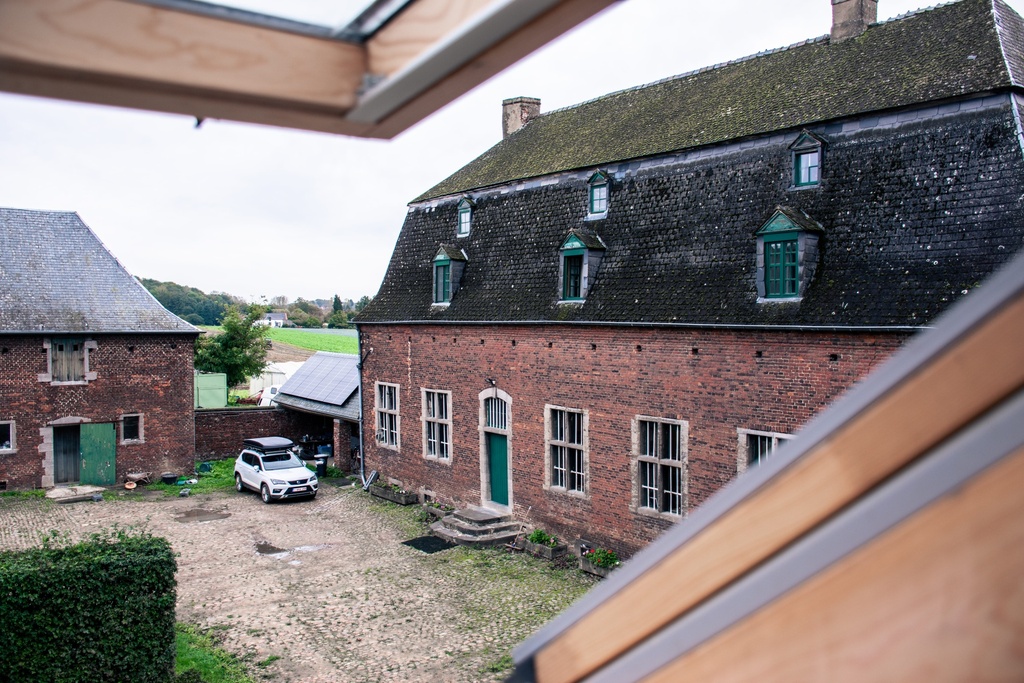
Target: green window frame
(465, 218)
(599, 198)
(807, 168)
(442, 281)
(781, 266)
(572, 274)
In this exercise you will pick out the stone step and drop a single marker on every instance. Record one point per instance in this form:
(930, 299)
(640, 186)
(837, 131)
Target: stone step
(455, 524)
(478, 515)
(440, 530)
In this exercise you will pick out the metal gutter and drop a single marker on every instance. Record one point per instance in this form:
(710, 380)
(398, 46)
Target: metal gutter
(693, 326)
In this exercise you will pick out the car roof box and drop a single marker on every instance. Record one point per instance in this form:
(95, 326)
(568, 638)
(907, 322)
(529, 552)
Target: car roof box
(269, 443)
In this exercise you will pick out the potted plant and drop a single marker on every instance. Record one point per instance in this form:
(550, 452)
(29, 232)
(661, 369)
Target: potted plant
(599, 561)
(394, 493)
(542, 544)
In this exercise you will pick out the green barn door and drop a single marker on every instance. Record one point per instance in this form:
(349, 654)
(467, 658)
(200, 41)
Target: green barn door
(497, 462)
(98, 442)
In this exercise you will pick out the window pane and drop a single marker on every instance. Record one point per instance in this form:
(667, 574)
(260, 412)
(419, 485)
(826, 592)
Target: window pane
(495, 413)
(807, 168)
(442, 406)
(464, 219)
(443, 442)
(558, 466)
(782, 271)
(575, 470)
(442, 283)
(672, 489)
(648, 485)
(670, 441)
(574, 434)
(598, 198)
(5, 435)
(759, 447)
(649, 439)
(130, 428)
(572, 287)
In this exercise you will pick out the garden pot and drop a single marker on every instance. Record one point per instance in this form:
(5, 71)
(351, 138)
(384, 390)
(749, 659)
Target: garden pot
(591, 568)
(546, 551)
(404, 498)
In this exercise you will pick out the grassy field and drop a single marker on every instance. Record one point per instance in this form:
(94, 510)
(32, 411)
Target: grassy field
(315, 341)
(304, 339)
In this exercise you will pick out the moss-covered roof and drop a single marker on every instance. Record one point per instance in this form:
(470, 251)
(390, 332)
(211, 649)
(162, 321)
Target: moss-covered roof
(932, 55)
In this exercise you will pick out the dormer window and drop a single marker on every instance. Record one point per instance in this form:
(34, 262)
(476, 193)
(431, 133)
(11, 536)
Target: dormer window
(465, 217)
(580, 256)
(449, 263)
(787, 253)
(598, 196)
(807, 156)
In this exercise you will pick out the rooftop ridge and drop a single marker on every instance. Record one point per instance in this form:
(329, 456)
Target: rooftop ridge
(740, 60)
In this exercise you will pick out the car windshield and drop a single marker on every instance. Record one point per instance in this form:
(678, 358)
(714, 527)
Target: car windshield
(280, 461)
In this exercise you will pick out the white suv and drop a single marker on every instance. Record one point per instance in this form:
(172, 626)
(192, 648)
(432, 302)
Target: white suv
(268, 465)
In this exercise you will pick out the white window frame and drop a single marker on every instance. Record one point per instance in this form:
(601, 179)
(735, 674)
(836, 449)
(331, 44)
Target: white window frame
(639, 502)
(442, 425)
(743, 450)
(598, 182)
(142, 434)
(12, 447)
(551, 422)
(87, 374)
(387, 419)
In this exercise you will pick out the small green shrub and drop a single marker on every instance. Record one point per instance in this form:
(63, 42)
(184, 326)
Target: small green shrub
(601, 557)
(541, 537)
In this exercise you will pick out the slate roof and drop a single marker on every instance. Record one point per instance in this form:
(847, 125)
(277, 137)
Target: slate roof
(915, 208)
(326, 384)
(57, 276)
(964, 47)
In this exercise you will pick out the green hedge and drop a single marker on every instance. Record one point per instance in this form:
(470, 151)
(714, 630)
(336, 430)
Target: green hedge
(100, 610)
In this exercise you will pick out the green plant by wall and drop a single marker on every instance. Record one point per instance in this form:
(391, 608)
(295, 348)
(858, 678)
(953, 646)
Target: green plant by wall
(541, 537)
(99, 610)
(600, 557)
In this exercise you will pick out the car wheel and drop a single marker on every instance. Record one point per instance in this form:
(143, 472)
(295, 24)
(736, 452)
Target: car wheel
(265, 493)
(239, 486)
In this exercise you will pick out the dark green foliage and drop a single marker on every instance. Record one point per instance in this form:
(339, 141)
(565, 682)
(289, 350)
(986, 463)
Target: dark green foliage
(100, 610)
(189, 303)
(240, 351)
(338, 320)
(336, 305)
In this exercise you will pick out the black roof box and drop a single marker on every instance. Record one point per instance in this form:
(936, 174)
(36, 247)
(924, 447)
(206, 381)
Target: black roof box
(269, 443)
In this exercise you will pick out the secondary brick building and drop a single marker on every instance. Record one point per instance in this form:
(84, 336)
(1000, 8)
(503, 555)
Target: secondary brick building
(608, 315)
(96, 377)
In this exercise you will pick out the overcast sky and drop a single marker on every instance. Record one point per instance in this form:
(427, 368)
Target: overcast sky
(261, 212)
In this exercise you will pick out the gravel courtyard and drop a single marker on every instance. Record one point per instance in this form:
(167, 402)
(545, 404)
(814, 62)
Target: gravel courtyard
(327, 585)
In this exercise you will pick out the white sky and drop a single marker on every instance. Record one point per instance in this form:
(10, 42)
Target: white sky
(259, 212)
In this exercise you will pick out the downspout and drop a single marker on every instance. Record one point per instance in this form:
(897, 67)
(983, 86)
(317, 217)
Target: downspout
(362, 430)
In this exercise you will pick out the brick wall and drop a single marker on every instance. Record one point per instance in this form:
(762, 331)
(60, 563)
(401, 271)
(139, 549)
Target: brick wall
(219, 432)
(149, 375)
(717, 381)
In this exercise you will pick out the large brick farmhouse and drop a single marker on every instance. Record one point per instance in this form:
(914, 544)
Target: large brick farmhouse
(605, 317)
(96, 377)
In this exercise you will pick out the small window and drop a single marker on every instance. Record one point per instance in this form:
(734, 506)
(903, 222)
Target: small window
(495, 413)
(572, 275)
(465, 214)
(598, 195)
(67, 358)
(442, 281)
(807, 152)
(781, 268)
(756, 447)
(437, 424)
(806, 168)
(580, 256)
(131, 428)
(787, 254)
(566, 449)
(387, 415)
(7, 442)
(661, 461)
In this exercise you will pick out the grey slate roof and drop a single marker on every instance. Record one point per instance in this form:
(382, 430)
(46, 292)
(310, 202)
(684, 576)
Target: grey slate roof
(57, 276)
(915, 208)
(326, 384)
(964, 47)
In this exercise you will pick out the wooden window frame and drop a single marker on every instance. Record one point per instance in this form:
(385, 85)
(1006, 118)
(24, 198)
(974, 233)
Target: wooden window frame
(571, 279)
(388, 419)
(566, 461)
(437, 429)
(442, 281)
(783, 275)
(660, 460)
(803, 166)
(12, 442)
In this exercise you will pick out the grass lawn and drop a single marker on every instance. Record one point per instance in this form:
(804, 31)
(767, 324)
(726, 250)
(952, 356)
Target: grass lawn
(199, 652)
(315, 341)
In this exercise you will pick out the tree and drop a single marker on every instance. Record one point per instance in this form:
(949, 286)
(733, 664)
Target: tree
(280, 301)
(240, 351)
(336, 307)
(361, 304)
(338, 319)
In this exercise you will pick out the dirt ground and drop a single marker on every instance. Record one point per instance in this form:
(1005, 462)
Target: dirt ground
(328, 586)
(280, 352)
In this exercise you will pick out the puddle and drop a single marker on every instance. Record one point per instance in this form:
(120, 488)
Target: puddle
(200, 515)
(264, 548)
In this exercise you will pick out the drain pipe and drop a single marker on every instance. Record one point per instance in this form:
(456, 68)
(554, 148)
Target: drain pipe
(362, 429)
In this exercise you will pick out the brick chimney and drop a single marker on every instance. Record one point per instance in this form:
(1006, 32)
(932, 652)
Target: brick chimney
(850, 18)
(516, 113)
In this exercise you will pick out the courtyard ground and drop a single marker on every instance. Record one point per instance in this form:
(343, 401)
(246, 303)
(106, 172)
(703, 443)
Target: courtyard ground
(328, 587)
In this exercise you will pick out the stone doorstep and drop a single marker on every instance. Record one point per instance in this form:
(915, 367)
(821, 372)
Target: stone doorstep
(458, 525)
(62, 492)
(452, 536)
(478, 515)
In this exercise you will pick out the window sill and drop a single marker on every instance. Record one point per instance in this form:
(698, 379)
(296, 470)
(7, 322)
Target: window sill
(440, 304)
(596, 216)
(797, 188)
(780, 300)
(388, 446)
(566, 492)
(132, 442)
(8, 451)
(571, 302)
(657, 514)
(441, 461)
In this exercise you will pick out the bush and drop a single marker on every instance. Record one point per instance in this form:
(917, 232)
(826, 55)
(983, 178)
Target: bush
(600, 557)
(541, 537)
(100, 610)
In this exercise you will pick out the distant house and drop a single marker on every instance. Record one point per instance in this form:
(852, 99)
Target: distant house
(623, 304)
(328, 385)
(274, 319)
(97, 378)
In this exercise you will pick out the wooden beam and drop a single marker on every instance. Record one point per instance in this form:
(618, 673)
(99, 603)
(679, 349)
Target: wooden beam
(957, 385)
(418, 28)
(937, 598)
(125, 44)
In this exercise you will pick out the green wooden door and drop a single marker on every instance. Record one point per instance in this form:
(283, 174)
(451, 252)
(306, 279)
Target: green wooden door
(497, 463)
(98, 443)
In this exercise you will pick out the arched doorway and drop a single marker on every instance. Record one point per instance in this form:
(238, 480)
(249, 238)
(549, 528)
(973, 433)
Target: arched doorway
(495, 454)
